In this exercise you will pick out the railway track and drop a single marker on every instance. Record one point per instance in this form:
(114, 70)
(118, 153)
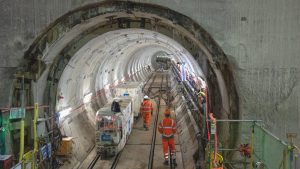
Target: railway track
(114, 162)
(161, 92)
(151, 155)
(157, 88)
(94, 161)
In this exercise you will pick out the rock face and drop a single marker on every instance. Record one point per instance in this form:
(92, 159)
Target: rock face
(260, 38)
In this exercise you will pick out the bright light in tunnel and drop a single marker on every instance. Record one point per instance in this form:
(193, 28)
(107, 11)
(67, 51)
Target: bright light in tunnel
(64, 113)
(87, 98)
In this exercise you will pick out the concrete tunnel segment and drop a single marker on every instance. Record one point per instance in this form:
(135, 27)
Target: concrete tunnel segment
(54, 49)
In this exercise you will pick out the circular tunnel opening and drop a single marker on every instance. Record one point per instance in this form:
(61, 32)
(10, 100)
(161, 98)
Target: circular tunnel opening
(99, 65)
(86, 52)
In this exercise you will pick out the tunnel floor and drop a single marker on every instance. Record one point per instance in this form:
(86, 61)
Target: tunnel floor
(136, 152)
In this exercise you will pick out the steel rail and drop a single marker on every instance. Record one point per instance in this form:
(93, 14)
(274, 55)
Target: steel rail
(116, 160)
(153, 77)
(92, 164)
(151, 156)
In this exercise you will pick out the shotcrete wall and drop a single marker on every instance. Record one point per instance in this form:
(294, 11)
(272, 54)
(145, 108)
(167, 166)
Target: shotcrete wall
(260, 38)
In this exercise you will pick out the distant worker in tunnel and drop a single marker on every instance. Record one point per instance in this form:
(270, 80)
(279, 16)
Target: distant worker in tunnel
(147, 111)
(167, 127)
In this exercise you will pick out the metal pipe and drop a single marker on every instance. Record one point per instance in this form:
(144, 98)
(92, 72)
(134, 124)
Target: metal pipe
(252, 149)
(229, 120)
(35, 147)
(151, 156)
(228, 149)
(236, 162)
(21, 153)
(21, 140)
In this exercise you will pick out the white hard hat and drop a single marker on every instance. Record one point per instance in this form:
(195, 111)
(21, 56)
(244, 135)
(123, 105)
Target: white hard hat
(146, 97)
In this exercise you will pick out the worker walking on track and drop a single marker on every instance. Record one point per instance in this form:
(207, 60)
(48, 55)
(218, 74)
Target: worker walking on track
(147, 111)
(167, 127)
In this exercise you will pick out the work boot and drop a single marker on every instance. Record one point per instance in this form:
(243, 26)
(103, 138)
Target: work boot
(166, 162)
(174, 162)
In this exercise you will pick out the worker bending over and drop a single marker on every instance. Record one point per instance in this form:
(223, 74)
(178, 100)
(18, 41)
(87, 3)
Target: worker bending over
(147, 110)
(167, 127)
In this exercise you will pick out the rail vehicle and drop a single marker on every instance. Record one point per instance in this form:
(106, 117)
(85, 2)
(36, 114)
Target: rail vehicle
(133, 89)
(113, 128)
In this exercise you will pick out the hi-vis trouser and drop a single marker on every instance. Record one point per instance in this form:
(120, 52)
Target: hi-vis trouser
(167, 127)
(146, 109)
(169, 143)
(147, 118)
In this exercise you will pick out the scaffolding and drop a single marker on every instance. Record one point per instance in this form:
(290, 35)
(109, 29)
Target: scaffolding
(249, 145)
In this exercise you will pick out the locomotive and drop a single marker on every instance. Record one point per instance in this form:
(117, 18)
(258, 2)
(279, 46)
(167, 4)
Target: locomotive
(114, 121)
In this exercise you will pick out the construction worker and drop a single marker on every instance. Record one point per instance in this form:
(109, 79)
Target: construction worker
(167, 127)
(147, 111)
(202, 100)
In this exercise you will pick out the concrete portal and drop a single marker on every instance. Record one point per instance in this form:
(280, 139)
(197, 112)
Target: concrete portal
(72, 54)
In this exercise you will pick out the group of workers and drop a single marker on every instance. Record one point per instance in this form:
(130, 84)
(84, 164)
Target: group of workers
(167, 128)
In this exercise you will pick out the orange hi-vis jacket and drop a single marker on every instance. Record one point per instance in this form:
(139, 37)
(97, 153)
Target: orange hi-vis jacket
(146, 107)
(167, 127)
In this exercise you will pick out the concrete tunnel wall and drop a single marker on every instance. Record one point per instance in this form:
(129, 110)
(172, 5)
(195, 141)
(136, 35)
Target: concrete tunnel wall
(109, 59)
(90, 71)
(260, 38)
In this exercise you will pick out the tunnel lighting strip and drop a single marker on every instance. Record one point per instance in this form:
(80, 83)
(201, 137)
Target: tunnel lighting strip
(229, 120)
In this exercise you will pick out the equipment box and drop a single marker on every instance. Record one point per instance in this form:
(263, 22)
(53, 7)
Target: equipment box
(65, 147)
(5, 161)
(133, 89)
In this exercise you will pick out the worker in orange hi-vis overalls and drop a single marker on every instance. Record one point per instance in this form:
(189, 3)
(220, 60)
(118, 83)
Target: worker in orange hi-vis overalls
(167, 127)
(146, 110)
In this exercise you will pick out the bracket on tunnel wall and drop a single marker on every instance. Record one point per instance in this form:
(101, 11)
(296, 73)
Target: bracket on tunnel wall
(17, 89)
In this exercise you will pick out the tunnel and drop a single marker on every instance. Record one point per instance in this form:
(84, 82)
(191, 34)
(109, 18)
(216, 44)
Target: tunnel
(78, 59)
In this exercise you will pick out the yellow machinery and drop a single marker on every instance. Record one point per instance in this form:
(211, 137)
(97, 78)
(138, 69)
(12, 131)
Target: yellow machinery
(216, 164)
(28, 159)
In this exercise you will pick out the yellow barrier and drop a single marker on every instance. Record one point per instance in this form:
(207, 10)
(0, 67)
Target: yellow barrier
(21, 140)
(35, 147)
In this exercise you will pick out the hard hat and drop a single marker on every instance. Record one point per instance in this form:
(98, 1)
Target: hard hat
(146, 97)
(201, 93)
(167, 111)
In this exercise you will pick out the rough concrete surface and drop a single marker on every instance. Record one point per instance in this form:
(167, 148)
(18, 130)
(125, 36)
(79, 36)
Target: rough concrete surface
(260, 38)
